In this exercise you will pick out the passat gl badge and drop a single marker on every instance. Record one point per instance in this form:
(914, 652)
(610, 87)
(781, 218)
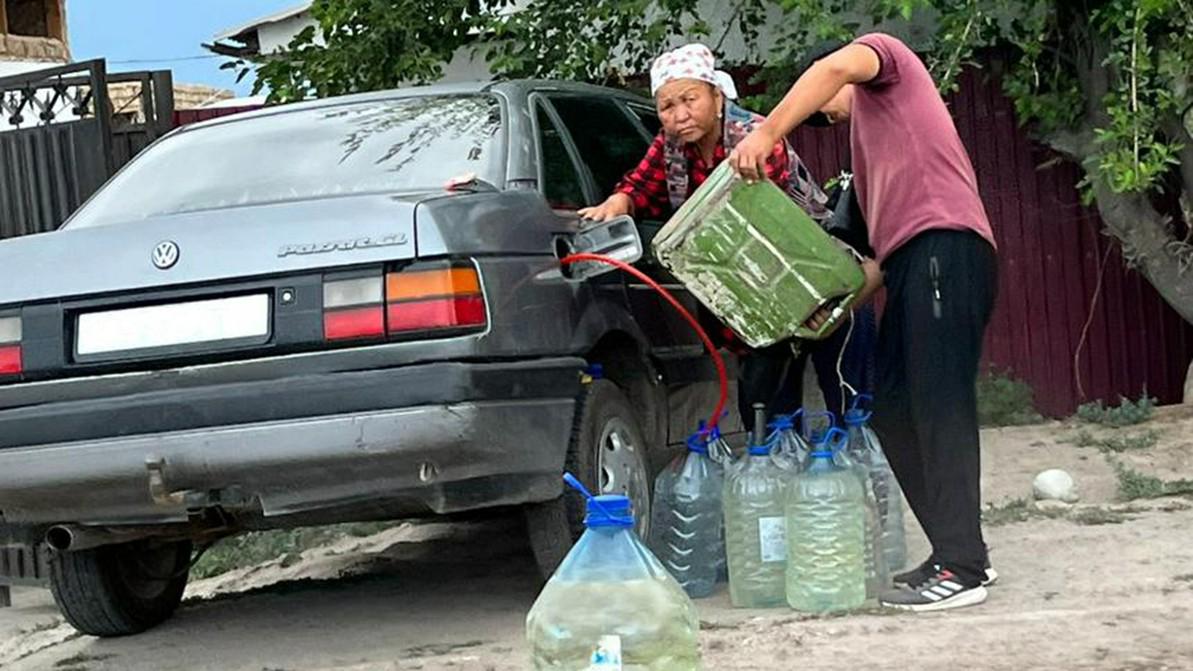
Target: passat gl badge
(394, 240)
(165, 254)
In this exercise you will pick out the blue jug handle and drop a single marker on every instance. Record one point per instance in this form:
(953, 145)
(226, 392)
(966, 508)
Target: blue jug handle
(855, 408)
(859, 399)
(835, 439)
(832, 422)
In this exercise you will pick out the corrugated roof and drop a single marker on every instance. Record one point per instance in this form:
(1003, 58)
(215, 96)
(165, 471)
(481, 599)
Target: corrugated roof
(264, 20)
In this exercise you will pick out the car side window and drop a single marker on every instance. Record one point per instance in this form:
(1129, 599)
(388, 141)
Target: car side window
(649, 118)
(608, 141)
(561, 182)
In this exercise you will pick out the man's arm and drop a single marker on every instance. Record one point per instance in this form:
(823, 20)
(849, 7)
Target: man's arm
(854, 64)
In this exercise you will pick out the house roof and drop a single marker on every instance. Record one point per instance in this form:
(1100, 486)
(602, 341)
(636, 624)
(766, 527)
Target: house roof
(257, 23)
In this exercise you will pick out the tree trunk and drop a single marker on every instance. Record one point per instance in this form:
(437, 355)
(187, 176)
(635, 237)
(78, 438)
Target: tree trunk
(1142, 230)
(1145, 239)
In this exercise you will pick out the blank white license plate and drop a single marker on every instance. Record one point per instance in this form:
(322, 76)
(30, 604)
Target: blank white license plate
(173, 325)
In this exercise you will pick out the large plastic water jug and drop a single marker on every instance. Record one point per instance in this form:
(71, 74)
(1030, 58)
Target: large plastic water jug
(826, 534)
(865, 449)
(722, 455)
(877, 576)
(756, 528)
(757, 260)
(687, 526)
(611, 605)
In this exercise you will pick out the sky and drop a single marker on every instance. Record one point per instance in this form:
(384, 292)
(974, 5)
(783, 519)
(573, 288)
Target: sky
(162, 35)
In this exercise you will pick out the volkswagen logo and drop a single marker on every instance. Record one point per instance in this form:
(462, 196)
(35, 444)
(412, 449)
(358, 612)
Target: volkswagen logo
(165, 254)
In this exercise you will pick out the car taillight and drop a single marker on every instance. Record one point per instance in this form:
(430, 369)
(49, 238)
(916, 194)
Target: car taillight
(434, 298)
(10, 346)
(354, 308)
(430, 299)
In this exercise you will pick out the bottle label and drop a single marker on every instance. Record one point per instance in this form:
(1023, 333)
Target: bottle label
(607, 656)
(772, 538)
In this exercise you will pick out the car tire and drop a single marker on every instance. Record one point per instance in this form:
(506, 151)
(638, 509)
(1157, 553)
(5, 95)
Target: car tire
(119, 590)
(608, 454)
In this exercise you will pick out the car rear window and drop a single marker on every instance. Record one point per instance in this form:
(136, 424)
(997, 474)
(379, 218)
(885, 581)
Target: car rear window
(406, 144)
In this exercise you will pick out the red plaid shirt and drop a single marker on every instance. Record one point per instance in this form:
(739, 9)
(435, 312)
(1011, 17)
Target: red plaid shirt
(646, 185)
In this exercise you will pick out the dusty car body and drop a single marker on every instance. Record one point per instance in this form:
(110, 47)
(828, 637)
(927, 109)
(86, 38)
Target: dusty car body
(286, 318)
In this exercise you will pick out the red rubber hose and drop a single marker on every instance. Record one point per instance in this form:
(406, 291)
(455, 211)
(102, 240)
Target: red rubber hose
(718, 361)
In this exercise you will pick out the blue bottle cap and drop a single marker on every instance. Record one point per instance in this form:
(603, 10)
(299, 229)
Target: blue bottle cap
(698, 442)
(782, 423)
(765, 449)
(609, 510)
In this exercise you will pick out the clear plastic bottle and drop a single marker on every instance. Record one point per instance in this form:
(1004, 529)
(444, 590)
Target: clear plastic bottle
(865, 449)
(687, 526)
(877, 576)
(826, 534)
(611, 605)
(755, 527)
(722, 455)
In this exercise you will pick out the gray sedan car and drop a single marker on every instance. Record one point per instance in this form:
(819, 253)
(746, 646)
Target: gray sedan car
(342, 310)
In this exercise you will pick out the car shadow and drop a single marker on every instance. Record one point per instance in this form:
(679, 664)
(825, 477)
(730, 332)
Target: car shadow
(459, 597)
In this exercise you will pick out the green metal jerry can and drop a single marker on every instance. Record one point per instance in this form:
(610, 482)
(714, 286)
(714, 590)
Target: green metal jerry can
(757, 260)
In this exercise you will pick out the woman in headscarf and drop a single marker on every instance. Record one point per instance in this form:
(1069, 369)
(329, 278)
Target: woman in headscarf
(701, 125)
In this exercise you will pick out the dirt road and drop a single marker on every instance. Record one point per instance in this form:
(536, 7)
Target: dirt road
(1105, 586)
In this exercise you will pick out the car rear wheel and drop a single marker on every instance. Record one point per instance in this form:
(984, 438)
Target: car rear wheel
(608, 454)
(118, 590)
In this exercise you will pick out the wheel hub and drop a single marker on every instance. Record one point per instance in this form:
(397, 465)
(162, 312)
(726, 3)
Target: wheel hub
(622, 470)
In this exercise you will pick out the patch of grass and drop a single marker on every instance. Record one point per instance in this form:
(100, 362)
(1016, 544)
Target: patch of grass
(1133, 485)
(1117, 443)
(1019, 510)
(1098, 516)
(1126, 413)
(1130, 442)
(1186, 577)
(1082, 438)
(1006, 401)
(1024, 510)
(1012, 512)
(258, 547)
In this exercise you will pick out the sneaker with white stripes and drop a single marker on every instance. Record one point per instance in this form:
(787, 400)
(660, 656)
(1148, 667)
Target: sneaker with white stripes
(942, 590)
(929, 568)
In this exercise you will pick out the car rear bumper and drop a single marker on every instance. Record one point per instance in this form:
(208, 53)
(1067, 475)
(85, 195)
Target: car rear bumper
(438, 438)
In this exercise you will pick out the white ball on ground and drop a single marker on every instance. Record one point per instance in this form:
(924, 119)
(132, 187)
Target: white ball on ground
(1055, 485)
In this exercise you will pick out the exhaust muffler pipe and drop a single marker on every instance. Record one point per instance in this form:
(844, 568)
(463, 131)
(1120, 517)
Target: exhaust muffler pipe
(74, 537)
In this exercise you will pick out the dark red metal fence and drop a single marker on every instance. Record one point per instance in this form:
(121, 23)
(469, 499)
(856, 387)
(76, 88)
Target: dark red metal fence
(1051, 253)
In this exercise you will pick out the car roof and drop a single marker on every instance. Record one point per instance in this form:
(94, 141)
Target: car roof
(513, 90)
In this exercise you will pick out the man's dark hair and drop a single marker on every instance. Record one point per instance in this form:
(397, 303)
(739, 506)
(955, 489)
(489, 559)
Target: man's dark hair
(817, 52)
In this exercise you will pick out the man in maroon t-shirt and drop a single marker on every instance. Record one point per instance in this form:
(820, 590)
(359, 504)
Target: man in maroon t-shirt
(929, 231)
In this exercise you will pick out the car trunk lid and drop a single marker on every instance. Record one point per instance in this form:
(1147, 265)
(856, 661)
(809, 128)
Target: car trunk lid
(209, 247)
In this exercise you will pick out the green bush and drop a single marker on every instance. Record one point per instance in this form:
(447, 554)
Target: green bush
(1129, 442)
(1006, 401)
(1133, 485)
(1127, 413)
